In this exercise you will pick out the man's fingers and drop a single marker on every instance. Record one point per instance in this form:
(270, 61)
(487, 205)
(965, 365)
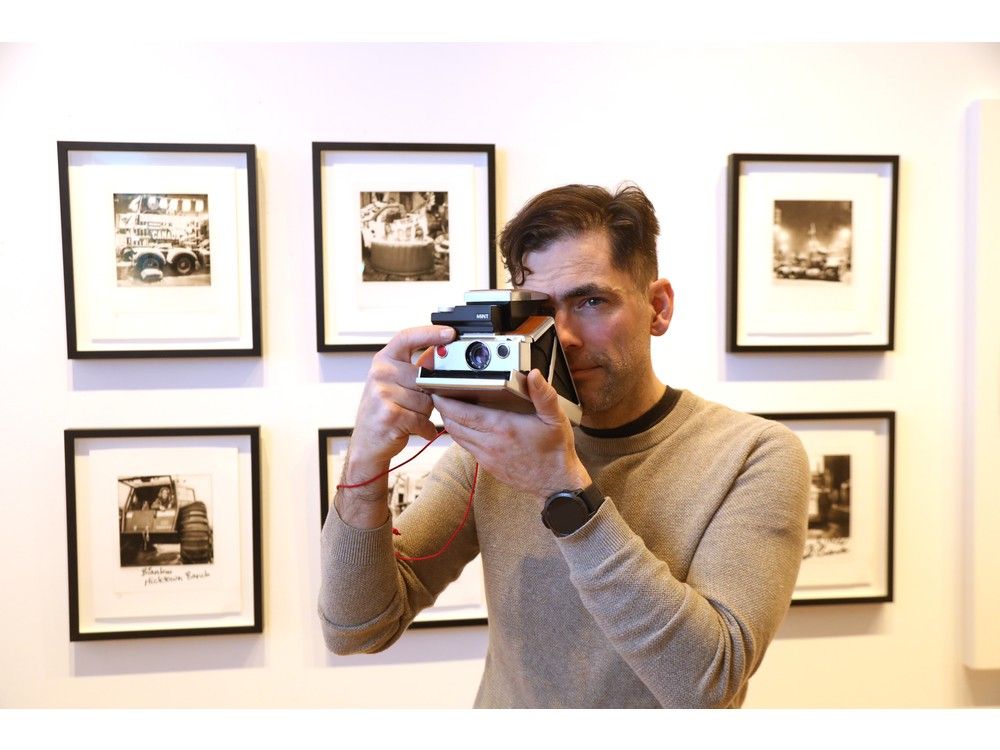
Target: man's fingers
(544, 397)
(409, 398)
(403, 344)
(403, 373)
(472, 416)
(415, 423)
(466, 437)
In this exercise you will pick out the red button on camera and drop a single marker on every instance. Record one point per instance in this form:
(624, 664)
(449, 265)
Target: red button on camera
(442, 351)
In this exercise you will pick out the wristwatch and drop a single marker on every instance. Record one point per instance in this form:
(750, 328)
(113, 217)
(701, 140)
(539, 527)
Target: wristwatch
(568, 510)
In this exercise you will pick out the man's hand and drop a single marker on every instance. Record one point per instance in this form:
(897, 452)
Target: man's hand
(392, 409)
(532, 452)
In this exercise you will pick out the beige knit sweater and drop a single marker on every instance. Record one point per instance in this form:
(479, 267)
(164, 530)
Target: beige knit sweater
(668, 596)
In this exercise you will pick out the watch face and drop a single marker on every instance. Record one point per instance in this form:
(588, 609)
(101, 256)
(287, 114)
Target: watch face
(565, 513)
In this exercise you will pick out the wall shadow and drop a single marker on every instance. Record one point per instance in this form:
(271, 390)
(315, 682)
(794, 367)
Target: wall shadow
(150, 655)
(423, 645)
(765, 367)
(346, 367)
(165, 374)
(832, 621)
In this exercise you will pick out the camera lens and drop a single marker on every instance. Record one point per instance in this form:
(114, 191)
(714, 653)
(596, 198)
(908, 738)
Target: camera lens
(503, 351)
(477, 355)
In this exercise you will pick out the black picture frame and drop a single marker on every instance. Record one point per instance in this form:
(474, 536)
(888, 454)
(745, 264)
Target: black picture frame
(848, 558)
(811, 252)
(190, 567)
(185, 276)
(332, 443)
(383, 262)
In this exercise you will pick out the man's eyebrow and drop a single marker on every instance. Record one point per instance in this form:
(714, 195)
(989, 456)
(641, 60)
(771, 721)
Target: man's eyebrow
(592, 289)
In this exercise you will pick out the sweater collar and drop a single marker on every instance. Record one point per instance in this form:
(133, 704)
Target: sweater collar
(684, 403)
(641, 423)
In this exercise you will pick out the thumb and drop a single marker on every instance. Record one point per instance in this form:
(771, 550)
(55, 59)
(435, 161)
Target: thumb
(545, 399)
(426, 358)
(427, 431)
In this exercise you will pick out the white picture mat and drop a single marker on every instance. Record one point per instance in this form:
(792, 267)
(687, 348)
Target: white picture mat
(358, 311)
(782, 312)
(116, 599)
(110, 317)
(465, 597)
(862, 570)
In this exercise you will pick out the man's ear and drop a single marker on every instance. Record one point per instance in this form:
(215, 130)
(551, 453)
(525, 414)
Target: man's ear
(661, 299)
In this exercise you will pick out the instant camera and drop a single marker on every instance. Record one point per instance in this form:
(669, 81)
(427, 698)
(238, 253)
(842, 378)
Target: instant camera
(503, 334)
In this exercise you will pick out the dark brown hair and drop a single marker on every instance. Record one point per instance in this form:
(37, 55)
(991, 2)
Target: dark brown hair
(627, 217)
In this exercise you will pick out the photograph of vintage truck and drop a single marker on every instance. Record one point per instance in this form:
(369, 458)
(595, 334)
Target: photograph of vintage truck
(162, 520)
(162, 239)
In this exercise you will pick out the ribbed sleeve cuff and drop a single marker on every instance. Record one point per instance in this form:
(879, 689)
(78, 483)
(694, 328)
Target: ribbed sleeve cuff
(593, 542)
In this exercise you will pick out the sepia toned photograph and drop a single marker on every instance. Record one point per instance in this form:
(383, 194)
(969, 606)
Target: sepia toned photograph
(162, 239)
(425, 213)
(163, 532)
(829, 528)
(165, 520)
(811, 252)
(151, 216)
(812, 240)
(404, 236)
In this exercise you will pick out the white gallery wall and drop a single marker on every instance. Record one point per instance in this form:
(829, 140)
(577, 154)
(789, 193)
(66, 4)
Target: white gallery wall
(664, 117)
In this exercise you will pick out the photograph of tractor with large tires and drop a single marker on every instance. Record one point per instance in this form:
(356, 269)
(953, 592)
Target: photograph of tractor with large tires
(162, 522)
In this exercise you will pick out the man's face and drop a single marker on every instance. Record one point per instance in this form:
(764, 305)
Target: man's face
(603, 322)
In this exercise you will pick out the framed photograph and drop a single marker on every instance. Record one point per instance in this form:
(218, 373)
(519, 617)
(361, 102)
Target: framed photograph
(463, 602)
(402, 229)
(160, 249)
(812, 252)
(848, 552)
(163, 532)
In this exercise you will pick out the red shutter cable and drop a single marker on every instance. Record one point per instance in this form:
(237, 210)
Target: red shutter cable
(395, 531)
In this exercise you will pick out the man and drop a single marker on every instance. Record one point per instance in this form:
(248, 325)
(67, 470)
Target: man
(668, 580)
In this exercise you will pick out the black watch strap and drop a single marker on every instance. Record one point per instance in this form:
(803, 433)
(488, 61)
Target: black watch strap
(568, 510)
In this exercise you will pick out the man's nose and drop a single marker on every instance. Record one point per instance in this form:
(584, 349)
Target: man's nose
(568, 336)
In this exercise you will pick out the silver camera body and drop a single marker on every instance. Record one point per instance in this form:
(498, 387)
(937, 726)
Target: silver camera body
(503, 334)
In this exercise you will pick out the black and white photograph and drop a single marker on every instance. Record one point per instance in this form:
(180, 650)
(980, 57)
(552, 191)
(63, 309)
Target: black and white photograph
(829, 529)
(160, 249)
(811, 252)
(405, 489)
(425, 215)
(463, 602)
(162, 240)
(812, 240)
(165, 519)
(163, 532)
(847, 555)
(405, 482)
(404, 236)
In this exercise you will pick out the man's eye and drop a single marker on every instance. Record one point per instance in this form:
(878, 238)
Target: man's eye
(593, 302)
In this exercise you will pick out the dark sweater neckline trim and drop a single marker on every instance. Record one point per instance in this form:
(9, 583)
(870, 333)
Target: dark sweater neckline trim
(653, 416)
